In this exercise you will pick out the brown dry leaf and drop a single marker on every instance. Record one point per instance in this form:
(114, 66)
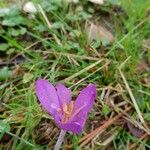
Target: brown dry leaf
(99, 32)
(134, 130)
(142, 66)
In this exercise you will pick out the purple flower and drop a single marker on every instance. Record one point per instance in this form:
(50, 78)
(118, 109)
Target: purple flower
(68, 115)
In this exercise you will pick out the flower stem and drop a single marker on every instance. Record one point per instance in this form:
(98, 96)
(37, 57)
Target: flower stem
(60, 140)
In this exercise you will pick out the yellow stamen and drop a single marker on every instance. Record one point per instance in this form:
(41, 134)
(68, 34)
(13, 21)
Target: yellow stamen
(67, 109)
(70, 107)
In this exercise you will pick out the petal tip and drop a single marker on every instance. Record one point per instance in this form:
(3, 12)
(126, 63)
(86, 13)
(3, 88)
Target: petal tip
(39, 81)
(92, 88)
(92, 85)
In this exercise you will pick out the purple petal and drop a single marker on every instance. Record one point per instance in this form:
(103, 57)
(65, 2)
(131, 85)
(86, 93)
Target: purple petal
(47, 96)
(83, 104)
(73, 127)
(64, 94)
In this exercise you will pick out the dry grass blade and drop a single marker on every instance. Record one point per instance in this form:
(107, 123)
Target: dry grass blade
(48, 23)
(83, 70)
(72, 55)
(44, 15)
(132, 97)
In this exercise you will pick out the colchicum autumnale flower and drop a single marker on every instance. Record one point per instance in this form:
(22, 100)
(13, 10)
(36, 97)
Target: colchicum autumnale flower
(68, 115)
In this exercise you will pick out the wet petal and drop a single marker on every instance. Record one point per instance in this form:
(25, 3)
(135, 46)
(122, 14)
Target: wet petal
(47, 96)
(83, 104)
(64, 94)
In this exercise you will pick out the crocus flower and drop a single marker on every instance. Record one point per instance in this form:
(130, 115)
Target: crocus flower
(68, 115)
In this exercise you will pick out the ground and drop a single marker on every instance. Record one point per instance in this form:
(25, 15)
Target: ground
(76, 44)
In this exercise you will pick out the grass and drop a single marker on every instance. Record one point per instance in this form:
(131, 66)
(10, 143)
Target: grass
(54, 45)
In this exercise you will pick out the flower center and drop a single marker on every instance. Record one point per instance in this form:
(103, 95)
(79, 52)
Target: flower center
(67, 110)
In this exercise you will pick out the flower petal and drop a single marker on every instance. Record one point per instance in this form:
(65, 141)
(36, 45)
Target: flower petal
(47, 96)
(73, 127)
(83, 104)
(64, 94)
